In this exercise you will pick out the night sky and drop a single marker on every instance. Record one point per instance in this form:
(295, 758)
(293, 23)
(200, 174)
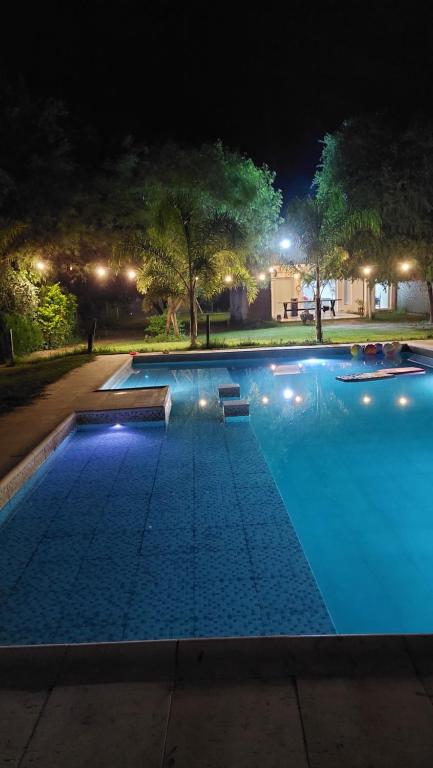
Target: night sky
(269, 81)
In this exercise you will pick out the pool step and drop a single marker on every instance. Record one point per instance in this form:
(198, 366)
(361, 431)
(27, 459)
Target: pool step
(238, 407)
(229, 390)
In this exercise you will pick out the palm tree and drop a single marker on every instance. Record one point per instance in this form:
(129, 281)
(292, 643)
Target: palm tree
(323, 228)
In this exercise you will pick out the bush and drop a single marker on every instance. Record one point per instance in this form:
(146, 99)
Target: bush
(27, 335)
(57, 316)
(155, 329)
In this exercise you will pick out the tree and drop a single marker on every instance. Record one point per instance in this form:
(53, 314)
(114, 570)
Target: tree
(390, 169)
(56, 315)
(322, 227)
(199, 228)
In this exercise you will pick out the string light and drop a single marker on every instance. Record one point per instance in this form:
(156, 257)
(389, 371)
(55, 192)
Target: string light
(131, 274)
(405, 266)
(262, 276)
(228, 279)
(101, 271)
(41, 266)
(366, 270)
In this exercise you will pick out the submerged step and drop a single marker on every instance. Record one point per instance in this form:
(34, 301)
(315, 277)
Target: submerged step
(229, 390)
(235, 408)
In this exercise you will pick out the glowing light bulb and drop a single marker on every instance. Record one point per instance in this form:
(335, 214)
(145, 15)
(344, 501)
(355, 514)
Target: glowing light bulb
(41, 266)
(228, 279)
(298, 399)
(403, 401)
(101, 271)
(366, 270)
(131, 274)
(265, 399)
(288, 394)
(271, 270)
(262, 276)
(297, 275)
(366, 399)
(285, 243)
(202, 402)
(405, 266)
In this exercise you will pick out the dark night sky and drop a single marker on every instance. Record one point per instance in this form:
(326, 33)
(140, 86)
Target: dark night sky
(269, 81)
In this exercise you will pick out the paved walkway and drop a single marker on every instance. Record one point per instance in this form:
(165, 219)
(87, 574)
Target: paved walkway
(248, 703)
(25, 427)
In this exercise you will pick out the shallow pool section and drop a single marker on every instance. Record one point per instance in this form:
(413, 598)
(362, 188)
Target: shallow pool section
(137, 533)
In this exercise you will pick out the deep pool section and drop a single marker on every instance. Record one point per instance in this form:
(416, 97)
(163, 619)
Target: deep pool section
(141, 533)
(354, 466)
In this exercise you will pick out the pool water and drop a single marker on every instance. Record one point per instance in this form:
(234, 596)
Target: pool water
(353, 463)
(314, 516)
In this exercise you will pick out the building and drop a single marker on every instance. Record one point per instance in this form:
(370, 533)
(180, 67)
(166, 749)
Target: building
(347, 297)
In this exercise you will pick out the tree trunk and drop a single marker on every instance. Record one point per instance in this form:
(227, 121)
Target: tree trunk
(430, 298)
(319, 334)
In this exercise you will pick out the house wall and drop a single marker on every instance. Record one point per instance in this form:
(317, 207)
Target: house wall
(412, 296)
(285, 287)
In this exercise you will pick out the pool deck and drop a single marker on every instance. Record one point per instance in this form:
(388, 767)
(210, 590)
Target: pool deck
(310, 703)
(247, 703)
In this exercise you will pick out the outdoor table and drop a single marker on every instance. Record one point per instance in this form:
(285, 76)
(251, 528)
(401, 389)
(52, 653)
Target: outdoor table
(309, 304)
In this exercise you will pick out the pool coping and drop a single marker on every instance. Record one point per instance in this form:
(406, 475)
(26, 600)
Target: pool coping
(194, 660)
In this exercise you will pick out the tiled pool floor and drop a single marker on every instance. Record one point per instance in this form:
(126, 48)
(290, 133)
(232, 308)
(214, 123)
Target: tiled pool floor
(136, 533)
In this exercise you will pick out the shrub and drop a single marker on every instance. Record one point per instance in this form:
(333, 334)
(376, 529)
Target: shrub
(56, 315)
(155, 329)
(27, 335)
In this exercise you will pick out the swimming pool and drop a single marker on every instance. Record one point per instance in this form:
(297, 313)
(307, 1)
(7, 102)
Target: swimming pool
(314, 516)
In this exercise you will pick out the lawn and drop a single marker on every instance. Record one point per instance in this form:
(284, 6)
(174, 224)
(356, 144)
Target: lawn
(283, 334)
(21, 383)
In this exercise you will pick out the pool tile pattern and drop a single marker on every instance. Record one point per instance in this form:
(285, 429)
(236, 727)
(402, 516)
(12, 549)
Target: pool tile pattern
(152, 533)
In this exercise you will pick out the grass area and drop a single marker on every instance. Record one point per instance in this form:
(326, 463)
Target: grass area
(21, 383)
(290, 333)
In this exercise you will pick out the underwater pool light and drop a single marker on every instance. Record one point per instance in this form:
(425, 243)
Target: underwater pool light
(202, 402)
(288, 393)
(265, 399)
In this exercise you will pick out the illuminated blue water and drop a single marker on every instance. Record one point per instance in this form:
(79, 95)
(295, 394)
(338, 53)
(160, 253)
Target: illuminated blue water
(354, 466)
(313, 516)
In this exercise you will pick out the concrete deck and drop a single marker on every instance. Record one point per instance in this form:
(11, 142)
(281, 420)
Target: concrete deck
(258, 703)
